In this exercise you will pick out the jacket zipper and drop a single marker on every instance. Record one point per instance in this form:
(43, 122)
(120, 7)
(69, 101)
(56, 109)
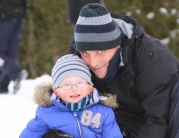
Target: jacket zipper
(79, 128)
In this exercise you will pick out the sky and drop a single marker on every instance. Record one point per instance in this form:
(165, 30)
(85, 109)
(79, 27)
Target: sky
(16, 110)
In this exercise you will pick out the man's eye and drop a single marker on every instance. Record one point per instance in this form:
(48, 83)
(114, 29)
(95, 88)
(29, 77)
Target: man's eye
(84, 53)
(100, 51)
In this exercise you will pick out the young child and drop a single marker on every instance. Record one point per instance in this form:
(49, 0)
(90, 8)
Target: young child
(72, 105)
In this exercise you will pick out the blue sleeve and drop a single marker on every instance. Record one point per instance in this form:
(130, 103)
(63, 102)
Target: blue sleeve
(35, 128)
(110, 127)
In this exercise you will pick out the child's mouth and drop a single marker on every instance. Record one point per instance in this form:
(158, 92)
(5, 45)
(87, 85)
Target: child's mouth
(74, 96)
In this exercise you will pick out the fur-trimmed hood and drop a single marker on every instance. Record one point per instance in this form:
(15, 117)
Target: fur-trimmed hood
(43, 96)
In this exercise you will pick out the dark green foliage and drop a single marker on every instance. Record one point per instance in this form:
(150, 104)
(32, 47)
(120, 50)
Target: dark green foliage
(47, 30)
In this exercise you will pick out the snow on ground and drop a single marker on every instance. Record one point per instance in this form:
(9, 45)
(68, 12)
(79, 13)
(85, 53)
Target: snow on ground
(16, 110)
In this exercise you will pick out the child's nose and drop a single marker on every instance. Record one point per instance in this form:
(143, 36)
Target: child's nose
(73, 86)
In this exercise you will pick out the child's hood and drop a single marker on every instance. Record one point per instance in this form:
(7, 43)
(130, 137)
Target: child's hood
(43, 94)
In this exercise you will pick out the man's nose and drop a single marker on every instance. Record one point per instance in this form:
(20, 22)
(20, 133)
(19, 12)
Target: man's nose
(93, 61)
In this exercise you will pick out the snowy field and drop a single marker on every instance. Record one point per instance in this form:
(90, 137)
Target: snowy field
(17, 110)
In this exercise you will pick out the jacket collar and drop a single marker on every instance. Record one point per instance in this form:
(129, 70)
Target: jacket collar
(44, 96)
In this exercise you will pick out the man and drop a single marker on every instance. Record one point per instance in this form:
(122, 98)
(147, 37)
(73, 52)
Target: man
(12, 14)
(138, 68)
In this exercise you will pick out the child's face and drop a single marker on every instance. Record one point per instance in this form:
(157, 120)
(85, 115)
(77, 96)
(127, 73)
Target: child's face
(74, 94)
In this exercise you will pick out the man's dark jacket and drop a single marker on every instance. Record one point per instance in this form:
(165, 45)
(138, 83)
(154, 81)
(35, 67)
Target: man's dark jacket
(12, 9)
(143, 85)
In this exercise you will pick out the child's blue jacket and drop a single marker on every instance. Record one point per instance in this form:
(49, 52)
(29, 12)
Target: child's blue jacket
(96, 120)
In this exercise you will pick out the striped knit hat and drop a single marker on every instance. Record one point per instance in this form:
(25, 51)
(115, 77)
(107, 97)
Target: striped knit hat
(68, 66)
(95, 29)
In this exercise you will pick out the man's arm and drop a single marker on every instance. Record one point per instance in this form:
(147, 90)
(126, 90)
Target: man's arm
(154, 83)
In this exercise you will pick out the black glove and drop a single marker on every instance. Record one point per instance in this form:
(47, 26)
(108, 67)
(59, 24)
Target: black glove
(56, 134)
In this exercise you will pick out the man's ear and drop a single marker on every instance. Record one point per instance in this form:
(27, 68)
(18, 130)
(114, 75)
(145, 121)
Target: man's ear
(119, 46)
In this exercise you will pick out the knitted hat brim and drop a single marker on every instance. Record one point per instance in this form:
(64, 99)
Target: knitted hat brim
(70, 65)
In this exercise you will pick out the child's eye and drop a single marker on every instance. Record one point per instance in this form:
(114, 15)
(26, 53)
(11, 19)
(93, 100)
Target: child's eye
(66, 84)
(80, 82)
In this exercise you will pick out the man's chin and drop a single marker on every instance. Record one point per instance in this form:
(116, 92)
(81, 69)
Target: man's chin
(100, 76)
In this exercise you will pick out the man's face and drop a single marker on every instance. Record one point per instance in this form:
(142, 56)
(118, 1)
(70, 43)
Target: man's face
(98, 61)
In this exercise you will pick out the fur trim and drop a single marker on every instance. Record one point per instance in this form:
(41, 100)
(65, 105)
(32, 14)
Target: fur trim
(43, 92)
(110, 101)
